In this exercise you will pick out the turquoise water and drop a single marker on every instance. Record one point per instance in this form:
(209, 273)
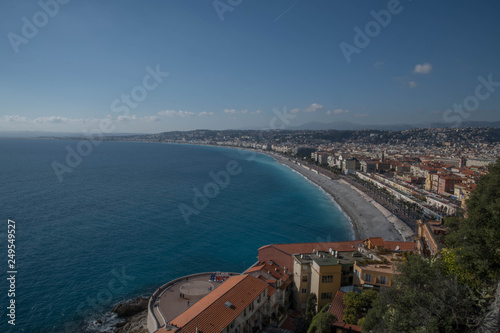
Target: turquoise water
(112, 228)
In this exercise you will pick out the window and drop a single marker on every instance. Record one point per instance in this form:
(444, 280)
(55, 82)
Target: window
(327, 278)
(357, 273)
(382, 280)
(326, 295)
(304, 278)
(368, 278)
(304, 290)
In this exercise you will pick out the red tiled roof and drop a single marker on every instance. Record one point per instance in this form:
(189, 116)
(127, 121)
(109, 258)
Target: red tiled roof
(403, 246)
(376, 241)
(255, 269)
(337, 306)
(337, 309)
(271, 290)
(296, 248)
(210, 314)
(272, 269)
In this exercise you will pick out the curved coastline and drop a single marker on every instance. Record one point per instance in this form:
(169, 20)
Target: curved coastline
(355, 233)
(282, 160)
(367, 220)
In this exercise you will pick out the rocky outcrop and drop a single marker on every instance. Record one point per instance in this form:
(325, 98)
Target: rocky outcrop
(134, 314)
(134, 324)
(131, 308)
(491, 322)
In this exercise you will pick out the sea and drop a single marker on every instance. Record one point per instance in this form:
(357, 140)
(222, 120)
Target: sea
(100, 223)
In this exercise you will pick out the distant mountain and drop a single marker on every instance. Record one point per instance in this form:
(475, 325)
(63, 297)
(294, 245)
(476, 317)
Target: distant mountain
(346, 125)
(494, 124)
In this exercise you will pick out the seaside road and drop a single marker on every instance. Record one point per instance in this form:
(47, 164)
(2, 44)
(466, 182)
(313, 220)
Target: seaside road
(367, 219)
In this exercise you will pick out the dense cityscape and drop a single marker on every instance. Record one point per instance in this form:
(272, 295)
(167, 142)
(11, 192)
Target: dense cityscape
(428, 173)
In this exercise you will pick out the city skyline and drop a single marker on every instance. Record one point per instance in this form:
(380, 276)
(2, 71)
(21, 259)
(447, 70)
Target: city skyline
(70, 66)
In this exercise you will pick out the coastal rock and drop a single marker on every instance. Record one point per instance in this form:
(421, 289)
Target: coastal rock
(131, 308)
(134, 324)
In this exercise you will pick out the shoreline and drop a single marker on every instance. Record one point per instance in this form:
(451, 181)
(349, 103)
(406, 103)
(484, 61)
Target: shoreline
(333, 198)
(367, 218)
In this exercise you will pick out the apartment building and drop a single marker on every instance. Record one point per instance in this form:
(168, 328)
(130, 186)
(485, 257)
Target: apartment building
(447, 184)
(318, 273)
(427, 241)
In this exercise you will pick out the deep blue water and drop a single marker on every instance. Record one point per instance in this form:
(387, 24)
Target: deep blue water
(112, 229)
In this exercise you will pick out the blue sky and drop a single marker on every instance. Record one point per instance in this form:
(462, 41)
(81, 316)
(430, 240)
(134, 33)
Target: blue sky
(232, 66)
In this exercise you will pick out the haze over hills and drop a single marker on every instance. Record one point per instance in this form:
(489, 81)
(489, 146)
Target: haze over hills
(336, 125)
(42, 134)
(346, 125)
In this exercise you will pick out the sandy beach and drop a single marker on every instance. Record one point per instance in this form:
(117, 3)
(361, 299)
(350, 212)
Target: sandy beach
(369, 218)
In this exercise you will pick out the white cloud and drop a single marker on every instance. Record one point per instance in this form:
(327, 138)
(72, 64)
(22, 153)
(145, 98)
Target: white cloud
(256, 112)
(167, 113)
(234, 111)
(412, 84)
(15, 119)
(311, 108)
(424, 68)
(179, 113)
(126, 118)
(378, 64)
(151, 118)
(55, 120)
(314, 107)
(64, 124)
(337, 111)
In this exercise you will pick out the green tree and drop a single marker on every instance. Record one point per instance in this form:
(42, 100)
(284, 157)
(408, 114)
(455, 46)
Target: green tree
(322, 322)
(475, 240)
(325, 322)
(357, 305)
(423, 299)
(311, 304)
